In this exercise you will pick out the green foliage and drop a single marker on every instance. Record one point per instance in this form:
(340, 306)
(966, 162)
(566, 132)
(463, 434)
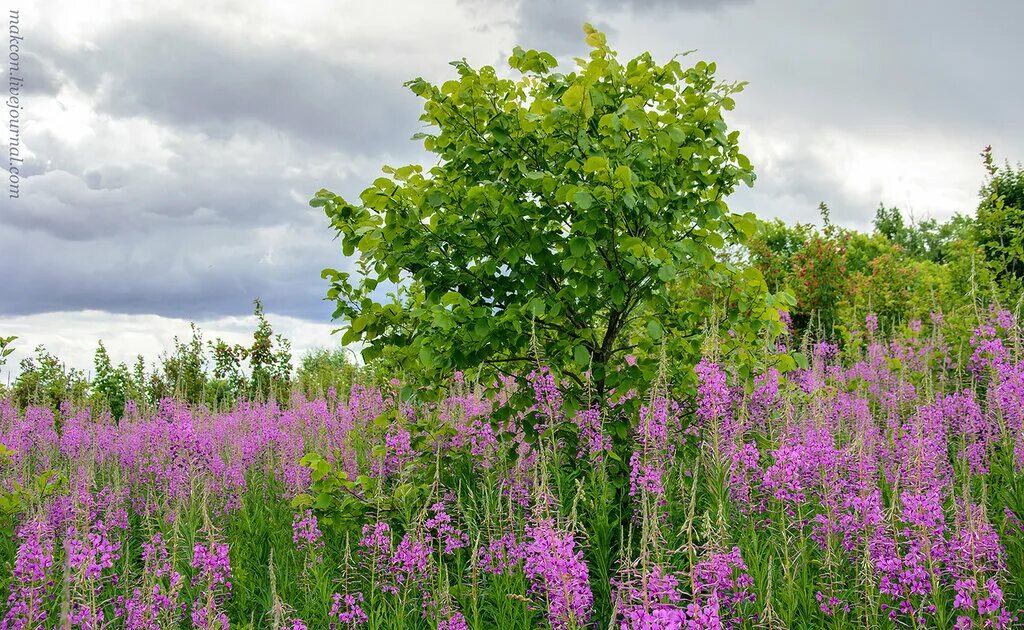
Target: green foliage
(112, 385)
(17, 498)
(218, 379)
(924, 240)
(999, 229)
(228, 372)
(270, 359)
(338, 501)
(562, 207)
(819, 272)
(184, 371)
(885, 288)
(900, 272)
(255, 372)
(772, 250)
(321, 369)
(45, 380)
(6, 348)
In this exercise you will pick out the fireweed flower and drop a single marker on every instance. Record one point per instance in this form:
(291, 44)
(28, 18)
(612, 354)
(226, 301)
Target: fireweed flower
(593, 442)
(376, 540)
(347, 611)
(398, 453)
(440, 529)
(831, 604)
(31, 580)
(1007, 399)
(547, 397)
(156, 599)
(453, 621)
(468, 413)
(92, 544)
(704, 615)
(212, 578)
(871, 323)
(877, 457)
(723, 579)
(500, 555)
(713, 396)
(558, 575)
(409, 566)
(306, 532)
(652, 452)
(650, 601)
(764, 399)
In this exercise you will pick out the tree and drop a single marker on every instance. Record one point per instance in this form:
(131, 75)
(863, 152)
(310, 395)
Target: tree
(320, 369)
(920, 240)
(45, 380)
(999, 228)
(560, 208)
(111, 384)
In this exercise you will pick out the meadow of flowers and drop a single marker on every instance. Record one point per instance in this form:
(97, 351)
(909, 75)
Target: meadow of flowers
(882, 486)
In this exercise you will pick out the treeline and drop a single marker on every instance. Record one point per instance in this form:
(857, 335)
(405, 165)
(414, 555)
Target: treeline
(214, 373)
(903, 271)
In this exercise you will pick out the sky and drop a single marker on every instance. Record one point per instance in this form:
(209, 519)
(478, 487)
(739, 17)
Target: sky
(171, 147)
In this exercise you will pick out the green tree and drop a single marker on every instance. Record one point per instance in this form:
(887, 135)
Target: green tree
(920, 240)
(184, 371)
(269, 359)
(561, 206)
(321, 369)
(45, 380)
(999, 228)
(111, 384)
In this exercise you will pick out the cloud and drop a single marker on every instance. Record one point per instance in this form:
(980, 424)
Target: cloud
(185, 75)
(557, 26)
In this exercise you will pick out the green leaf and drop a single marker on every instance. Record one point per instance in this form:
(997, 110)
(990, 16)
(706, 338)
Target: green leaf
(581, 356)
(583, 199)
(573, 97)
(654, 329)
(595, 163)
(624, 176)
(578, 247)
(427, 357)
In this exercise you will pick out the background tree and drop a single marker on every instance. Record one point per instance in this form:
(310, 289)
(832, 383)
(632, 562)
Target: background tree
(321, 369)
(45, 380)
(999, 228)
(112, 385)
(563, 205)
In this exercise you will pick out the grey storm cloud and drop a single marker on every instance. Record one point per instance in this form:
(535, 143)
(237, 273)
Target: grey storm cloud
(189, 77)
(555, 25)
(182, 272)
(192, 238)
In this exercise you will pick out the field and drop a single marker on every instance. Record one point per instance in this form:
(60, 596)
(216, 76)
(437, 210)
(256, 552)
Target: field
(880, 487)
